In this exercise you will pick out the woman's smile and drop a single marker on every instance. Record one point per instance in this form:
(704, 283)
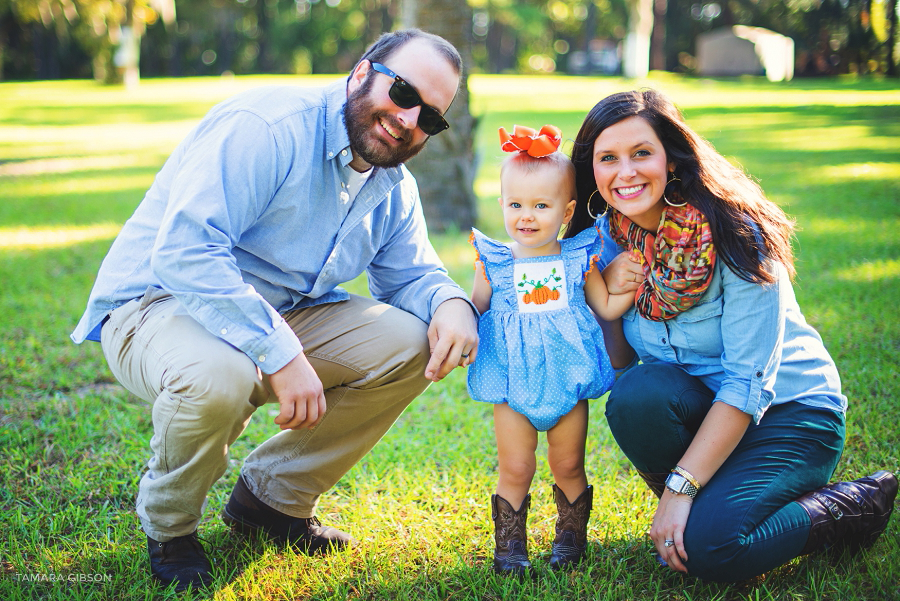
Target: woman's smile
(630, 170)
(630, 192)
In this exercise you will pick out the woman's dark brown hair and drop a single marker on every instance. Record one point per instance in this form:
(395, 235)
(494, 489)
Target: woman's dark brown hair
(747, 228)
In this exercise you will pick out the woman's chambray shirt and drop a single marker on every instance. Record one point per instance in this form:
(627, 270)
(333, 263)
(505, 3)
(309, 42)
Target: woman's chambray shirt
(250, 217)
(747, 342)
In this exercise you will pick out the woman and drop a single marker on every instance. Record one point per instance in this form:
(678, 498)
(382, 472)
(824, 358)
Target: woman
(735, 413)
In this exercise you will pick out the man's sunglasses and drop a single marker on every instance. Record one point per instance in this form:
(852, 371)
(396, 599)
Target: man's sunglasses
(405, 96)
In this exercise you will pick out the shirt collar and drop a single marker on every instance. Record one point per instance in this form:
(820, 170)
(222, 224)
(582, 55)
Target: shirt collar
(336, 139)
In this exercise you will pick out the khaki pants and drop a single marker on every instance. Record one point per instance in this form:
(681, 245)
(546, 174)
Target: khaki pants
(370, 357)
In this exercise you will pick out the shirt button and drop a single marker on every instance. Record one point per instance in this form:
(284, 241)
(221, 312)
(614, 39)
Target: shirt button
(224, 331)
(262, 358)
(344, 152)
(663, 340)
(330, 154)
(759, 374)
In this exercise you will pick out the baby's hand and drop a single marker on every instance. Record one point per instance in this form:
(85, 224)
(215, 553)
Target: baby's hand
(624, 273)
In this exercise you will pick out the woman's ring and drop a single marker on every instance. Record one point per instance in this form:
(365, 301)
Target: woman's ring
(668, 542)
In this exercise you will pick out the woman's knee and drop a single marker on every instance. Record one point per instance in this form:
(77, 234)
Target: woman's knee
(643, 387)
(653, 389)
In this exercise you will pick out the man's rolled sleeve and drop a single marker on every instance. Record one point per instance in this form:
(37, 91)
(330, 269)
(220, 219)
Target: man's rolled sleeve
(449, 290)
(275, 350)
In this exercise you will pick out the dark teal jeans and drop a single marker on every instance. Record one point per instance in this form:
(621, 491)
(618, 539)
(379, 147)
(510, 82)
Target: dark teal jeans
(743, 522)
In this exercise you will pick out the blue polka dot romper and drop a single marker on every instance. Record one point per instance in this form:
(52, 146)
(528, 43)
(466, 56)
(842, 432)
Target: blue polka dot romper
(540, 349)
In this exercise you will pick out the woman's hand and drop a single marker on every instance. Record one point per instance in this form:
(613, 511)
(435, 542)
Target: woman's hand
(668, 525)
(623, 274)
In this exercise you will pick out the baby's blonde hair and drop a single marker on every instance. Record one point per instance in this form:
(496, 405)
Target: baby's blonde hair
(527, 164)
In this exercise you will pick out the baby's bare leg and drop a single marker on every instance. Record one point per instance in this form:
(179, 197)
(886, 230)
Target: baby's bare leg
(516, 444)
(566, 451)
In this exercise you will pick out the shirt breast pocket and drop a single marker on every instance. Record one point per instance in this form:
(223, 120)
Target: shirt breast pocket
(700, 327)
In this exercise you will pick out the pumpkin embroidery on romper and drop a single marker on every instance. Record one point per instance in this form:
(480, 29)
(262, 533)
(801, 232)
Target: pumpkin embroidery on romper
(540, 286)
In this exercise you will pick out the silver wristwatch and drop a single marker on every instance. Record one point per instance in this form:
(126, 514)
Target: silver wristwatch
(680, 485)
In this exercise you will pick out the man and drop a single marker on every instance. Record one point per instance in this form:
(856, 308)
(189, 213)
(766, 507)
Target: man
(221, 291)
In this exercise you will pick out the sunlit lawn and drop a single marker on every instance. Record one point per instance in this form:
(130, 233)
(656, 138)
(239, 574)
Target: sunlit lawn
(75, 159)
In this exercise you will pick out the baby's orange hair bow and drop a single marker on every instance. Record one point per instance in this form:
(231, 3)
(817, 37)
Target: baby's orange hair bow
(524, 139)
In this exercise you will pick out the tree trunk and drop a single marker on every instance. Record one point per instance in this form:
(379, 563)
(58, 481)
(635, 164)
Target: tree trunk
(264, 59)
(892, 37)
(445, 169)
(637, 43)
(658, 39)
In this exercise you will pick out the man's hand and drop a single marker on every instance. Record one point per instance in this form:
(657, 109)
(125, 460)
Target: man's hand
(452, 337)
(300, 394)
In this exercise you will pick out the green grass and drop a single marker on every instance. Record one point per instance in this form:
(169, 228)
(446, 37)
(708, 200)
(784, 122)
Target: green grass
(75, 159)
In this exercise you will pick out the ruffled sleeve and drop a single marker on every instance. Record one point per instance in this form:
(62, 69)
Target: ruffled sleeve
(495, 256)
(583, 250)
(595, 244)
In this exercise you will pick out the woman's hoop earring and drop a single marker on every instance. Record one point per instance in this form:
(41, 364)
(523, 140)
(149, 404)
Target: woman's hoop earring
(667, 201)
(595, 217)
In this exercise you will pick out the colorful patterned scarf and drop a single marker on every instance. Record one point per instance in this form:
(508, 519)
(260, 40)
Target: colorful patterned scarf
(678, 260)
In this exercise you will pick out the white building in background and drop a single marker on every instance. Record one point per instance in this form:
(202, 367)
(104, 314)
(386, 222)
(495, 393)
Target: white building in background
(743, 50)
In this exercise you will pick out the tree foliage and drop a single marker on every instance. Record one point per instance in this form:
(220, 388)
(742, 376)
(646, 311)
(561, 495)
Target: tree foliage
(71, 38)
(97, 26)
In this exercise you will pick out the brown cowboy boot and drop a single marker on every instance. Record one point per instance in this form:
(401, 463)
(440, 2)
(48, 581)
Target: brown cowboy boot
(571, 528)
(656, 482)
(849, 515)
(511, 552)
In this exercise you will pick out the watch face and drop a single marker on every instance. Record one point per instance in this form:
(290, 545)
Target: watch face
(676, 482)
(680, 485)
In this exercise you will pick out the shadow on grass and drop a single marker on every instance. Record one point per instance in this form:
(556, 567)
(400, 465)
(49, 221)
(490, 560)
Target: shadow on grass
(623, 568)
(879, 121)
(104, 114)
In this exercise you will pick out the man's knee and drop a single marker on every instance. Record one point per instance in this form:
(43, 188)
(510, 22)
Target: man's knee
(405, 346)
(224, 388)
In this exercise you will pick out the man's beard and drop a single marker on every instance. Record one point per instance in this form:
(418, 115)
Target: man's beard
(360, 118)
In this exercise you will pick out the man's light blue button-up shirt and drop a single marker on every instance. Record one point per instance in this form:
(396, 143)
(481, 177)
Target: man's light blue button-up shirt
(245, 221)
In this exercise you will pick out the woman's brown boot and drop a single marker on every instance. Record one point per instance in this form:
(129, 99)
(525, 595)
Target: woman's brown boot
(656, 482)
(571, 528)
(849, 515)
(511, 552)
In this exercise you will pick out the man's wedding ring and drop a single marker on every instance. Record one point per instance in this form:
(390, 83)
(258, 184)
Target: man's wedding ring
(668, 542)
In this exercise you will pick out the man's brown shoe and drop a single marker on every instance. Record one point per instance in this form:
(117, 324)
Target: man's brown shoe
(249, 516)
